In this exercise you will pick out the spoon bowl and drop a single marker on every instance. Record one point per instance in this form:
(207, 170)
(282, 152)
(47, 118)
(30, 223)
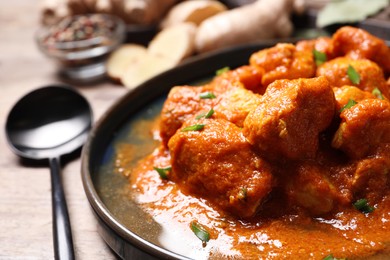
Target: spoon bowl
(48, 122)
(45, 124)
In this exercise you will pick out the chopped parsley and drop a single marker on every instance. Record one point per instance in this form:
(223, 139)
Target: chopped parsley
(205, 115)
(363, 206)
(377, 93)
(200, 232)
(207, 95)
(331, 257)
(163, 172)
(197, 127)
(222, 70)
(350, 104)
(243, 193)
(319, 57)
(353, 75)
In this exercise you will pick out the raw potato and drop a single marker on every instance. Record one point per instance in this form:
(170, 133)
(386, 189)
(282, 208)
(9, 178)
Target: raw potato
(144, 69)
(122, 58)
(264, 19)
(174, 43)
(194, 11)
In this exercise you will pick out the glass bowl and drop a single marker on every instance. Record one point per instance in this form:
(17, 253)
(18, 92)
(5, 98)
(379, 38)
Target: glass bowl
(80, 44)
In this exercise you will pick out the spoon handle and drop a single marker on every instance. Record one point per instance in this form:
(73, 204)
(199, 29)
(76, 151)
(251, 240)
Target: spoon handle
(62, 234)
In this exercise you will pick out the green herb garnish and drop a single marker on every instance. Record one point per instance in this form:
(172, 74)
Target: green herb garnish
(207, 95)
(222, 70)
(193, 128)
(319, 57)
(201, 115)
(205, 115)
(243, 193)
(331, 257)
(350, 104)
(200, 231)
(353, 75)
(163, 172)
(363, 206)
(376, 92)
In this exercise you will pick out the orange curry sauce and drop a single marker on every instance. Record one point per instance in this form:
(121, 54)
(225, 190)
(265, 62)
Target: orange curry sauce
(284, 148)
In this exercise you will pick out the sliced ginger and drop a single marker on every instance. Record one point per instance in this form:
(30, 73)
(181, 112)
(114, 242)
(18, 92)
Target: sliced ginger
(145, 68)
(133, 64)
(174, 43)
(123, 57)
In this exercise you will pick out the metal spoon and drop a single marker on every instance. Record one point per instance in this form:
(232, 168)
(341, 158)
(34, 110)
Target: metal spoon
(45, 124)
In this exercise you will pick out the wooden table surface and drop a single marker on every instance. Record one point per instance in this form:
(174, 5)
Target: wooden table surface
(25, 198)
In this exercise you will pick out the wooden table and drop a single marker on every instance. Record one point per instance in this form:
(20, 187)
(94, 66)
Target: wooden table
(25, 198)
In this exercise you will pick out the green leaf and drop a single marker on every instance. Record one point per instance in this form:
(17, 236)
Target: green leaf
(200, 231)
(207, 95)
(331, 257)
(349, 11)
(328, 257)
(205, 115)
(201, 115)
(222, 70)
(319, 57)
(243, 193)
(350, 104)
(353, 75)
(376, 92)
(363, 206)
(209, 114)
(163, 172)
(197, 127)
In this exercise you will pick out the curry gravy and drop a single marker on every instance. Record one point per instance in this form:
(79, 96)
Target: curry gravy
(348, 233)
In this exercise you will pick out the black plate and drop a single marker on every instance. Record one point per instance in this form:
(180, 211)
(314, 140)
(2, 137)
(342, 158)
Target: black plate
(124, 226)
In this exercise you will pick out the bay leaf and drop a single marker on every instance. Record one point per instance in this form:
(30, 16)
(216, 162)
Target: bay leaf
(349, 11)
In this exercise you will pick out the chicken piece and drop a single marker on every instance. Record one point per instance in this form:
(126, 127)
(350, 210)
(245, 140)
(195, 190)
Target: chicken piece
(371, 75)
(183, 102)
(310, 188)
(364, 126)
(371, 178)
(249, 76)
(322, 44)
(290, 117)
(283, 61)
(235, 105)
(218, 164)
(359, 44)
(346, 93)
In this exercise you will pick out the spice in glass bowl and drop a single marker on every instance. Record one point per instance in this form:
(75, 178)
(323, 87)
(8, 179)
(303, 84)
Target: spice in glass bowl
(82, 43)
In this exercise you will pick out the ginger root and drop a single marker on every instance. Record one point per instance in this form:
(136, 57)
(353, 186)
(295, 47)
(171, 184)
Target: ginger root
(175, 42)
(194, 11)
(145, 68)
(140, 12)
(147, 12)
(263, 19)
(133, 64)
(122, 58)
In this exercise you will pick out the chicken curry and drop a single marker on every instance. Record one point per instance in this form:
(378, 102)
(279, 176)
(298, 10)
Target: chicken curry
(285, 157)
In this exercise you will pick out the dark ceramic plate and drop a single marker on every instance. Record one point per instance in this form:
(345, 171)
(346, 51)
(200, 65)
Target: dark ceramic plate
(122, 224)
